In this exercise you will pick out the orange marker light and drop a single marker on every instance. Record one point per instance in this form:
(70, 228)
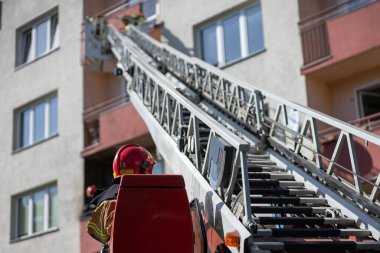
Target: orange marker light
(233, 239)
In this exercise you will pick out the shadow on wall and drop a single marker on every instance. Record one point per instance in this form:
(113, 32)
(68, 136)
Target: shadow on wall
(175, 42)
(368, 160)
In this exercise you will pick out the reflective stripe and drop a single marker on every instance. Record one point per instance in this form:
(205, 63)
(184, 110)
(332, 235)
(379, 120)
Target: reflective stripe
(127, 171)
(97, 231)
(124, 171)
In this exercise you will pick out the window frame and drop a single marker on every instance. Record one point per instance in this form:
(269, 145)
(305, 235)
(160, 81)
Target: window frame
(358, 97)
(46, 101)
(49, 17)
(47, 191)
(243, 33)
(1, 13)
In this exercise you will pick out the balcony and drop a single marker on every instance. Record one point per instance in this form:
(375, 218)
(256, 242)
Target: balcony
(344, 35)
(109, 124)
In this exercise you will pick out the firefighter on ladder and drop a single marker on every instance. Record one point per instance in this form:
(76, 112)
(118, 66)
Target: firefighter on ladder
(137, 20)
(129, 159)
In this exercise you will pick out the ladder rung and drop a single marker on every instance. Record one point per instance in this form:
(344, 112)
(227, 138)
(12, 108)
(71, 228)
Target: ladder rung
(273, 183)
(285, 192)
(204, 130)
(311, 232)
(355, 232)
(368, 245)
(303, 221)
(274, 176)
(265, 169)
(288, 209)
(258, 157)
(260, 162)
(314, 246)
(287, 200)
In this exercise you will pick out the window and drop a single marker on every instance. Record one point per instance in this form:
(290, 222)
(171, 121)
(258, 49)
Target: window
(369, 101)
(356, 4)
(232, 38)
(35, 212)
(38, 39)
(36, 122)
(150, 11)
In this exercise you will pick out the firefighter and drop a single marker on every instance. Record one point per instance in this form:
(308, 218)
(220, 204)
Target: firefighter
(133, 19)
(129, 159)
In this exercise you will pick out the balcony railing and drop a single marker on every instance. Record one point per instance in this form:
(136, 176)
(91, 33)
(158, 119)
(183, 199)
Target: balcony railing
(369, 123)
(91, 117)
(314, 34)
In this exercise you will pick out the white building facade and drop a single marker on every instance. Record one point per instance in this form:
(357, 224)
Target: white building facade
(41, 126)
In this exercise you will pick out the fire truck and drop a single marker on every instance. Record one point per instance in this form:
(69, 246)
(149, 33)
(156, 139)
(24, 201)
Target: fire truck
(256, 183)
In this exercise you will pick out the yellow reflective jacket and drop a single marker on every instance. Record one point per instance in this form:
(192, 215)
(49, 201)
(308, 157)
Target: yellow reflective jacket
(100, 224)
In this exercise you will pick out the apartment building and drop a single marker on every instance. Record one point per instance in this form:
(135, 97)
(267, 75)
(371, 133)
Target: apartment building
(240, 37)
(341, 45)
(64, 114)
(304, 51)
(255, 41)
(341, 52)
(41, 125)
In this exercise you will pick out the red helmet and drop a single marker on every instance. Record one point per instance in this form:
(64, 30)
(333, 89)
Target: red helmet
(132, 159)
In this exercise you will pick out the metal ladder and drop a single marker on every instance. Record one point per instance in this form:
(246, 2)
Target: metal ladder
(278, 197)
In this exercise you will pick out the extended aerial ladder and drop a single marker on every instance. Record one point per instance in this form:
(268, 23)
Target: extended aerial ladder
(251, 170)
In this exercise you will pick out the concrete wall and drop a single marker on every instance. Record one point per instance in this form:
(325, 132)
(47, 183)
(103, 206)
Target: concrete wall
(56, 159)
(276, 70)
(339, 98)
(100, 87)
(344, 94)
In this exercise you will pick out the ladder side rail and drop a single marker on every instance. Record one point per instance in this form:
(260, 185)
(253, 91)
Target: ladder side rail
(250, 88)
(144, 75)
(241, 146)
(212, 75)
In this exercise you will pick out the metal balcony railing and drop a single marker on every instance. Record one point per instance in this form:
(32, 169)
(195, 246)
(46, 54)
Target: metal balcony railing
(368, 123)
(314, 34)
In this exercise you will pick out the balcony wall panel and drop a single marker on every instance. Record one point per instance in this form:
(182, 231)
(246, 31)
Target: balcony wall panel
(120, 125)
(117, 126)
(354, 45)
(355, 32)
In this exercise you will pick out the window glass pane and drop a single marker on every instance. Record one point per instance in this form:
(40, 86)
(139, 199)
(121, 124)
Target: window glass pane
(53, 116)
(356, 4)
(38, 211)
(209, 50)
(39, 122)
(231, 38)
(53, 208)
(149, 8)
(25, 128)
(23, 216)
(54, 32)
(41, 38)
(26, 52)
(255, 29)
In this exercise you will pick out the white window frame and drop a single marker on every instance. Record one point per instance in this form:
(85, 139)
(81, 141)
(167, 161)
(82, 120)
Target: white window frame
(31, 108)
(1, 12)
(32, 56)
(358, 96)
(243, 32)
(29, 195)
